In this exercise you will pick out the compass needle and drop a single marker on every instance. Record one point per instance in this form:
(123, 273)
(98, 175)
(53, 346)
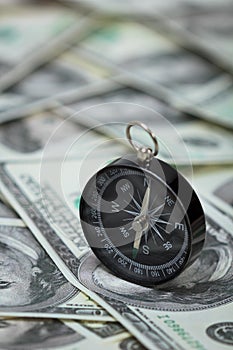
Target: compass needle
(141, 222)
(136, 245)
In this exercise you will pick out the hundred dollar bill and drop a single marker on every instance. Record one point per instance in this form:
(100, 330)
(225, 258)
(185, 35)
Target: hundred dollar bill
(109, 335)
(121, 104)
(173, 74)
(36, 294)
(26, 44)
(105, 335)
(157, 317)
(203, 27)
(39, 333)
(57, 80)
(32, 285)
(64, 334)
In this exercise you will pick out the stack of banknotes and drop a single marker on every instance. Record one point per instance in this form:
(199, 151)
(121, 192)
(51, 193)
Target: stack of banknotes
(73, 73)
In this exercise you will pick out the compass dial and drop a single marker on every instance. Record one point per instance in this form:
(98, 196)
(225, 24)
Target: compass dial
(136, 225)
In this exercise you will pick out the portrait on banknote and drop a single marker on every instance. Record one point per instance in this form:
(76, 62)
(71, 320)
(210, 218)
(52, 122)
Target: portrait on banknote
(29, 280)
(207, 283)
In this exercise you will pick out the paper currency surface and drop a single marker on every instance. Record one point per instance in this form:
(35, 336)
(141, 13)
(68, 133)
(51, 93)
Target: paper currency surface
(73, 73)
(201, 293)
(32, 285)
(182, 78)
(64, 334)
(205, 144)
(26, 44)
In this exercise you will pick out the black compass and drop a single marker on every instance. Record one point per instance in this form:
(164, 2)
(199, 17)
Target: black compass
(142, 219)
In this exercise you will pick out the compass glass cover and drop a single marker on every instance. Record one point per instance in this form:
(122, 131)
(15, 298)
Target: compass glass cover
(136, 225)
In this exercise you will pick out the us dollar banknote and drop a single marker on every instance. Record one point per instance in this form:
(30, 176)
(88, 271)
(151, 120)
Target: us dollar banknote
(204, 28)
(30, 283)
(25, 44)
(155, 316)
(183, 79)
(205, 145)
(55, 81)
(64, 334)
(121, 104)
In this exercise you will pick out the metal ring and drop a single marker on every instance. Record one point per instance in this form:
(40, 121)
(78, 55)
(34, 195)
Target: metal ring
(145, 128)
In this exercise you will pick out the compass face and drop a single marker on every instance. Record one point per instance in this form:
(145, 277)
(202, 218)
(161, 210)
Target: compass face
(135, 225)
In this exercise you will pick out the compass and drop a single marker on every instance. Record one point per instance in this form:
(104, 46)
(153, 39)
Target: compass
(141, 217)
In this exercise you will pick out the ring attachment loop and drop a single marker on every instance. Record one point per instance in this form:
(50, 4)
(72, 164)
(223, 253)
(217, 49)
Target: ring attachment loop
(145, 128)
